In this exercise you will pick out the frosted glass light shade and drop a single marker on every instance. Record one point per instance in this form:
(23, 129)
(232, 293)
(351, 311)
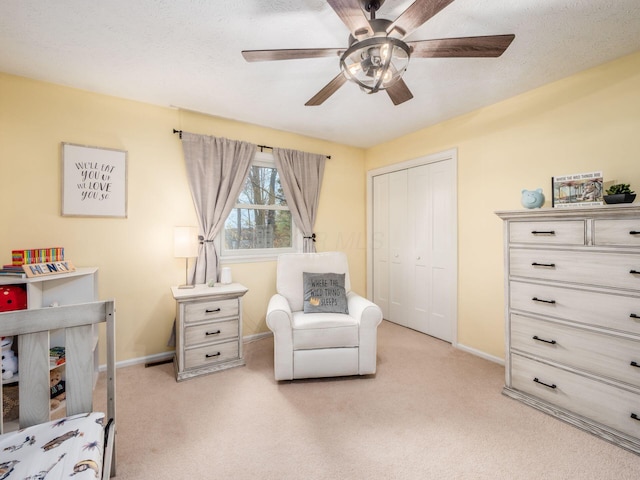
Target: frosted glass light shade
(185, 242)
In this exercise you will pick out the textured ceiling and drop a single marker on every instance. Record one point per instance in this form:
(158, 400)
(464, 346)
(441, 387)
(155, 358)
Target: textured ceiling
(186, 53)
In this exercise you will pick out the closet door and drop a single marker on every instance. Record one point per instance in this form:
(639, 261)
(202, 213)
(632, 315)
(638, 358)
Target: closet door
(418, 233)
(414, 247)
(380, 243)
(443, 250)
(399, 254)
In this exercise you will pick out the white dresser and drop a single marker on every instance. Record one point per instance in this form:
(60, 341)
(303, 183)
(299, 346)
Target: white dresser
(572, 306)
(208, 329)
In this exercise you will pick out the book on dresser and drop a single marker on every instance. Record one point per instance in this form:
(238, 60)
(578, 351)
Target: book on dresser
(572, 294)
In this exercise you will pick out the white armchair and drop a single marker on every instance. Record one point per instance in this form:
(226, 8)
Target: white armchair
(310, 345)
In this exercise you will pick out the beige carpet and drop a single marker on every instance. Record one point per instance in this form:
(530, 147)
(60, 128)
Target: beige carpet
(430, 412)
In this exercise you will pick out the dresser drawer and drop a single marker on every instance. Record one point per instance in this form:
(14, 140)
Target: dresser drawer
(210, 310)
(569, 232)
(604, 403)
(605, 355)
(210, 332)
(210, 354)
(618, 312)
(621, 232)
(579, 267)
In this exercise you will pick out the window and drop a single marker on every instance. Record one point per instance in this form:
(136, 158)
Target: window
(260, 226)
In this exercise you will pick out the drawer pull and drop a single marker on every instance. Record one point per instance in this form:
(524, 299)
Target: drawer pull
(633, 315)
(634, 364)
(634, 272)
(635, 417)
(552, 342)
(543, 232)
(536, 299)
(548, 265)
(217, 332)
(554, 386)
(634, 232)
(210, 355)
(215, 310)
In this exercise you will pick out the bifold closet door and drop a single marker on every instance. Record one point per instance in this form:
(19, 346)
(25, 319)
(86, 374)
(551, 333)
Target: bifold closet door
(414, 247)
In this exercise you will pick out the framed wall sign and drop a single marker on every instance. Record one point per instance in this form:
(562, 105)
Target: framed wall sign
(94, 181)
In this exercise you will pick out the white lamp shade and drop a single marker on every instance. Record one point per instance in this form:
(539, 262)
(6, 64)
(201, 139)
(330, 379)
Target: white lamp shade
(185, 242)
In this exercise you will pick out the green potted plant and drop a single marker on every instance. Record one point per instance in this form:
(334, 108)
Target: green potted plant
(619, 193)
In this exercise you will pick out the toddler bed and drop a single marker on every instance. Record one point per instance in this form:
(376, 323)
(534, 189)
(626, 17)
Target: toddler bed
(81, 444)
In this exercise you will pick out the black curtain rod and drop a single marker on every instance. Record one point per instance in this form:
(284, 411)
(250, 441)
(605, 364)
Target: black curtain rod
(261, 147)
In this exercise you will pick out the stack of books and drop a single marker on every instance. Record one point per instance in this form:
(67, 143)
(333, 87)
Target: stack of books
(12, 270)
(56, 356)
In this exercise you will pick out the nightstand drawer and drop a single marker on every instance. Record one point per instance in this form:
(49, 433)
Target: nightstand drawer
(579, 267)
(618, 312)
(605, 355)
(210, 310)
(604, 403)
(210, 332)
(210, 354)
(617, 232)
(570, 232)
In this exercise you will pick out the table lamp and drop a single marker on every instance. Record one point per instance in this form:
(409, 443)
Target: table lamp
(185, 245)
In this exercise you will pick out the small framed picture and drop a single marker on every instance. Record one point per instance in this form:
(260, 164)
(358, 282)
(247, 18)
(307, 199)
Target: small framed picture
(578, 190)
(94, 181)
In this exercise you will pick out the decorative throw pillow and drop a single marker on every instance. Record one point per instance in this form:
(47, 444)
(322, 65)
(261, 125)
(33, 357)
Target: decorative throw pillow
(324, 293)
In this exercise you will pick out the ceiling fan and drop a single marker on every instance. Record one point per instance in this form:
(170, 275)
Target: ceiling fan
(377, 55)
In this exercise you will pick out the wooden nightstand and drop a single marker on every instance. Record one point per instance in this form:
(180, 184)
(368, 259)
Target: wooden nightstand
(208, 329)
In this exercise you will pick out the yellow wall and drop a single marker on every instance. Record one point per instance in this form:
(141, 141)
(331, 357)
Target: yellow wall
(590, 121)
(135, 255)
(587, 122)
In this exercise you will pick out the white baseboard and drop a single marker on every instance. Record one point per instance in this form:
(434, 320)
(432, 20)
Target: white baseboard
(480, 353)
(168, 356)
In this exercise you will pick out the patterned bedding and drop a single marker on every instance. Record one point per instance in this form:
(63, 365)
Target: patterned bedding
(71, 446)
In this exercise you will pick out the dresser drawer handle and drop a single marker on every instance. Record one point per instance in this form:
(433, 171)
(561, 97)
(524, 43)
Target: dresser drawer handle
(548, 265)
(634, 364)
(633, 315)
(217, 332)
(552, 342)
(634, 272)
(210, 355)
(536, 299)
(635, 417)
(215, 310)
(543, 232)
(634, 232)
(554, 386)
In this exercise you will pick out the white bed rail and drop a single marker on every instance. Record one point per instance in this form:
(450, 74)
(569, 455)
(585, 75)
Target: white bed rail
(33, 328)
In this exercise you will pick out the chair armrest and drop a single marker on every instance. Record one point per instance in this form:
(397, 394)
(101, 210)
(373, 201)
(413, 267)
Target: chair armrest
(368, 313)
(279, 316)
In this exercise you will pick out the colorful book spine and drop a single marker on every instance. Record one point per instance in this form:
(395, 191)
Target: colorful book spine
(37, 255)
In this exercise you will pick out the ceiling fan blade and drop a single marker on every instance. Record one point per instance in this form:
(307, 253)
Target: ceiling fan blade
(328, 90)
(416, 14)
(290, 54)
(487, 46)
(351, 13)
(399, 92)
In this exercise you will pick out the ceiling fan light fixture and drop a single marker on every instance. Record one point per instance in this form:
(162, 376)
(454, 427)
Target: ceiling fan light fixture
(375, 63)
